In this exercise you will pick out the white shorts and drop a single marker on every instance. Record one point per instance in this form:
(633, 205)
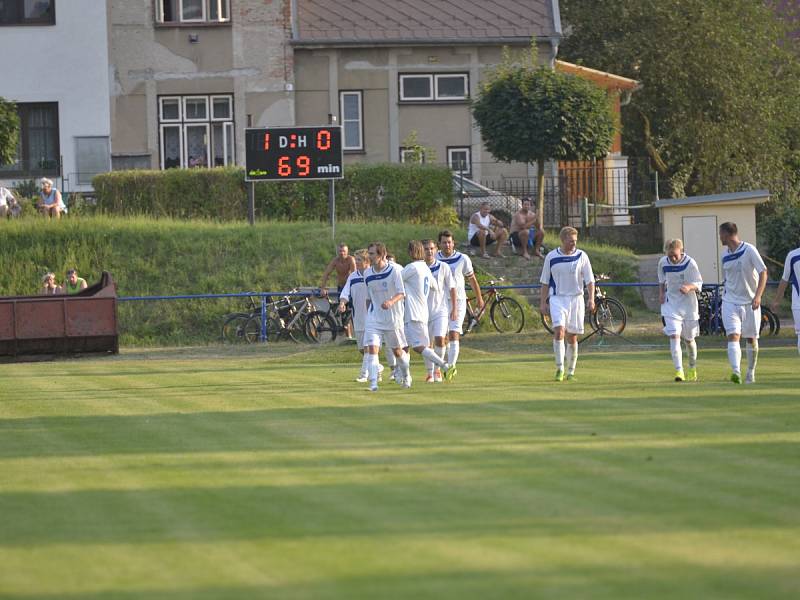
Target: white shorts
(741, 319)
(688, 329)
(796, 317)
(437, 327)
(359, 334)
(461, 310)
(394, 338)
(567, 312)
(417, 334)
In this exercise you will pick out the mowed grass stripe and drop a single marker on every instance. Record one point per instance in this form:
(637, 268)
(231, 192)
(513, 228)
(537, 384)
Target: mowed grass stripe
(229, 478)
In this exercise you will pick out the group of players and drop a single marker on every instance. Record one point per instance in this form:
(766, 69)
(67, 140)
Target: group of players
(421, 306)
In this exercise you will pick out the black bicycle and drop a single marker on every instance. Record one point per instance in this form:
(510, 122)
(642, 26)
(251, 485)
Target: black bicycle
(505, 313)
(609, 317)
(709, 303)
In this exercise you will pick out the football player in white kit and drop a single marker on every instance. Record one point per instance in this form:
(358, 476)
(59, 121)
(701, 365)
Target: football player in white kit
(679, 279)
(566, 270)
(441, 307)
(791, 274)
(419, 283)
(461, 268)
(386, 311)
(745, 280)
(355, 291)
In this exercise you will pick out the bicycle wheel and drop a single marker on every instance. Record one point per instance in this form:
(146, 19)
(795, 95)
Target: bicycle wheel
(609, 315)
(252, 329)
(507, 315)
(320, 328)
(547, 322)
(233, 328)
(769, 322)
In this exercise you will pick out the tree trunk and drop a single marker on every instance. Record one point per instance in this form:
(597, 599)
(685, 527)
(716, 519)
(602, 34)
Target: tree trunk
(540, 188)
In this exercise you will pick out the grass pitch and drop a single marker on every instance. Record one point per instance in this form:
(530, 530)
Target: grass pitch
(246, 475)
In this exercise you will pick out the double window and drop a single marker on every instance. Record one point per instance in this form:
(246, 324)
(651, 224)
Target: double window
(192, 11)
(196, 131)
(27, 12)
(38, 150)
(434, 87)
(352, 120)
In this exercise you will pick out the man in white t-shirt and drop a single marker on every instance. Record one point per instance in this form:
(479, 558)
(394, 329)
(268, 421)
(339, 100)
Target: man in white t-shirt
(385, 315)
(565, 272)
(354, 291)
(791, 274)
(461, 269)
(8, 204)
(485, 229)
(419, 283)
(441, 307)
(679, 281)
(745, 279)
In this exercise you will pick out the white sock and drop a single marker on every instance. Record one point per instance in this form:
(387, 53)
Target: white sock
(430, 357)
(440, 350)
(691, 347)
(676, 353)
(428, 363)
(365, 365)
(391, 359)
(558, 350)
(735, 356)
(452, 352)
(404, 362)
(572, 357)
(752, 356)
(372, 367)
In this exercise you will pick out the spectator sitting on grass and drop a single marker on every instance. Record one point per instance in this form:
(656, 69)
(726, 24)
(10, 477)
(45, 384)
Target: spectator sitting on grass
(49, 285)
(74, 284)
(8, 204)
(52, 205)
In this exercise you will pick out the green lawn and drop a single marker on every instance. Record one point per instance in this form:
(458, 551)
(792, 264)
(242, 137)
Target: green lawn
(206, 474)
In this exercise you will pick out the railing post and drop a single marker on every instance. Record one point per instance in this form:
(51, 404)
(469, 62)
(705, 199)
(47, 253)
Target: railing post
(263, 318)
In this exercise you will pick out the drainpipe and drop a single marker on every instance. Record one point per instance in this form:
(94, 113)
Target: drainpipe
(293, 9)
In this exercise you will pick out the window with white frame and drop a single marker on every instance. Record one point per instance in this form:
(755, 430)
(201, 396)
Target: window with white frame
(412, 155)
(192, 11)
(352, 120)
(196, 131)
(434, 87)
(459, 158)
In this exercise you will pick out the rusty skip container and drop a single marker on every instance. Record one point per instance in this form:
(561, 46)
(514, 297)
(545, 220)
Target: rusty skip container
(83, 322)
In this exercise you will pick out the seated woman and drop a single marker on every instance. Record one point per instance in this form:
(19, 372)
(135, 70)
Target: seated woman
(49, 285)
(51, 203)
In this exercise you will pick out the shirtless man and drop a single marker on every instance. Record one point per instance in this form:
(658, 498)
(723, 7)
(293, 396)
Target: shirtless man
(521, 223)
(343, 264)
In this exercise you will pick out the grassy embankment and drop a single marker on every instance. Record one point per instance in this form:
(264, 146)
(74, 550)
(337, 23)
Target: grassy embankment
(166, 257)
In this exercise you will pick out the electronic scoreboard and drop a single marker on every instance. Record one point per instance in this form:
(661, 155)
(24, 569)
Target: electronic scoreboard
(293, 153)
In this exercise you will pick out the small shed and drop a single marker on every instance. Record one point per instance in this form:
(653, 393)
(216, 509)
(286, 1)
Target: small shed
(695, 220)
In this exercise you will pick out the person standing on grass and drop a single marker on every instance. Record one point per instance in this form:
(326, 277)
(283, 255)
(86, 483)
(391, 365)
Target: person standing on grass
(745, 280)
(523, 222)
(679, 279)
(355, 294)
(343, 264)
(461, 268)
(791, 274)
(419, 284)
(73, 284)
(485, 229)
(442, 307)
(385, 314)
(565, 273)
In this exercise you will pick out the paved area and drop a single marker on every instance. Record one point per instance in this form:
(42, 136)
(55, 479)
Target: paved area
(648, 271)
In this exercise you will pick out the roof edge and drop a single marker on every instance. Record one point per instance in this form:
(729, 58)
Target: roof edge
(758, 195)
(482, 41)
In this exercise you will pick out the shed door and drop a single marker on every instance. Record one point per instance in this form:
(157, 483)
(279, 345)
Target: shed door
(701, 241)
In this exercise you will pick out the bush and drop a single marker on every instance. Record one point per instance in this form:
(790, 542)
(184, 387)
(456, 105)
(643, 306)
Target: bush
(419, 193)
(780, 230)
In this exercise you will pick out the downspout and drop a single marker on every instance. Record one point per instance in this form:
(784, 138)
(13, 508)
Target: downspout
(558, 33)
(293, 9)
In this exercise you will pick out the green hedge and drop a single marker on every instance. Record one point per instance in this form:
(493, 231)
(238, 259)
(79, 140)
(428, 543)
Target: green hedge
(418, 193)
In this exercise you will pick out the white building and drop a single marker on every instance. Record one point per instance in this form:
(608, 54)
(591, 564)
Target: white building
(54, 65)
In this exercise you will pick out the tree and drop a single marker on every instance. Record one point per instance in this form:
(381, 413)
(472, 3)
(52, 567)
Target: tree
(718, 108)
(9, 131)
(531, 115)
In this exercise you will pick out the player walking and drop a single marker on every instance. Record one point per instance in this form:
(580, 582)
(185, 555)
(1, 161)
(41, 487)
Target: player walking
(791, 274)
(461, 268)
(386, 311)
(679, 279)
(566, 270)
(419, 283)
(355, 292)
(745, 280)
(442, 307)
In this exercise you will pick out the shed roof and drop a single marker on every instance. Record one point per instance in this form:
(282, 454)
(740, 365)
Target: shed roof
(751, 197)
(377, 22)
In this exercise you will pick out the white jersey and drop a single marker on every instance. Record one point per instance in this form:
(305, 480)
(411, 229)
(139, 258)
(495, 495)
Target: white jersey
(439, 298)
(741, 268)
(382, 286)
(417, 281)
(566, 274)
(791, 274)
(355, 291)
(473, 229)
(673, 276)
(461, 267)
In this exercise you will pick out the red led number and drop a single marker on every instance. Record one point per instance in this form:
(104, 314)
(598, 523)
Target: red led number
(284, 168)
(266, 141)
(323, 140)
(303, 166)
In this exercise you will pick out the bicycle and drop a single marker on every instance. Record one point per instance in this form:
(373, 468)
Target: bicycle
(323, 326)
(505, 313)
(286, 320)
(709, 302)
(234, 324)
(609, 317)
